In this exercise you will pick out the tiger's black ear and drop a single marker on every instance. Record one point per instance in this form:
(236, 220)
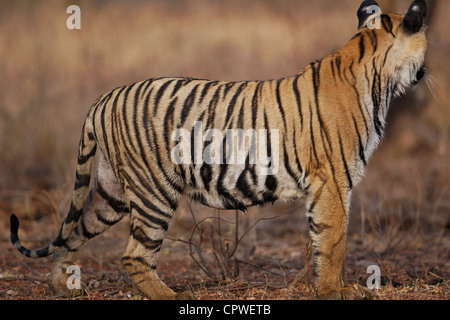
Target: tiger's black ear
(413, 20)
(367, 11)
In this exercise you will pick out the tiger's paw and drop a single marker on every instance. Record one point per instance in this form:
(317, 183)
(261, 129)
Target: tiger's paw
(60, 288)
(353, 292)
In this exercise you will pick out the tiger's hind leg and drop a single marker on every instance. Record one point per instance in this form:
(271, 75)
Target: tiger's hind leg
(327, 211)
(104, 207)
(149, 221)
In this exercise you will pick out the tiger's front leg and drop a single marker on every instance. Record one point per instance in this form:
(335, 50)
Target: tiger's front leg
(327, 211)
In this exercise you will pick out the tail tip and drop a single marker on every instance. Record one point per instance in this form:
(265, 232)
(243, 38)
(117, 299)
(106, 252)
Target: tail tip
(14, 221)
(14, 228)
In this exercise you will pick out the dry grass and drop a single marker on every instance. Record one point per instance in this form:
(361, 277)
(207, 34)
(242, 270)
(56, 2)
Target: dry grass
(400, 217)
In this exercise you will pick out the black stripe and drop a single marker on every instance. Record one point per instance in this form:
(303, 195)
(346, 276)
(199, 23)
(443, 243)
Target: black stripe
(374, 40)
(316, 197)
(269, 142)
(298, 98)
(289, 170)
(297, 157)
(312, 133)
(347, 172)
(40, 253)
(136, 102)
(240, 123)
(206, 174)
(86, 233)
(120, 121)
(157, 221)
(227, 88)
(279, 104)
(229, 202)
(317, 228)
(387, 24)
(105, 99)
(193, 141)
(376, 96)
(362, 48)
(82, 180)
(313, 226)
(271, 183)
(117, 205)
(337, 61)
(136, 119)
(206, 90)
(193, 181)
(365, 75)
(255, 104)
(212, 108)
(103, 125)
(243, 186)
(114, 132)
(332, 69)
(386, 54)
(101, 105)
(83, 159)
(187, 106)
(73, 214)
(356, 36)
(136, 259)
(91, 136)
(149, 243)
(159, 95)
(232, 104)
(176, 87)
(124, 120)
(316, 84)
(333, 173)
(145, 223)
(358, 99)
(361, 147)
(169, 120)
(147, 85)
(223, 170)
(353, 80)
(102, 219)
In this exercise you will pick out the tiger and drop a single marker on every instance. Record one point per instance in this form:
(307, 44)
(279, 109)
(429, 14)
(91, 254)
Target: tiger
(325, 121)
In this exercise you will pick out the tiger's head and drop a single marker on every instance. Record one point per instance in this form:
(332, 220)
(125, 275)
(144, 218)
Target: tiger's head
(403, 41)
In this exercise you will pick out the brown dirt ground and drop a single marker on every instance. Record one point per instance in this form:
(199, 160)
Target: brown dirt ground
(412, 268)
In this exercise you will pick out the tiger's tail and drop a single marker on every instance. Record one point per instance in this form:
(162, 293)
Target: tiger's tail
(86, 152)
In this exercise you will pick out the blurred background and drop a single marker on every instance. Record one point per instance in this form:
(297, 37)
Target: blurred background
(50, 76)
